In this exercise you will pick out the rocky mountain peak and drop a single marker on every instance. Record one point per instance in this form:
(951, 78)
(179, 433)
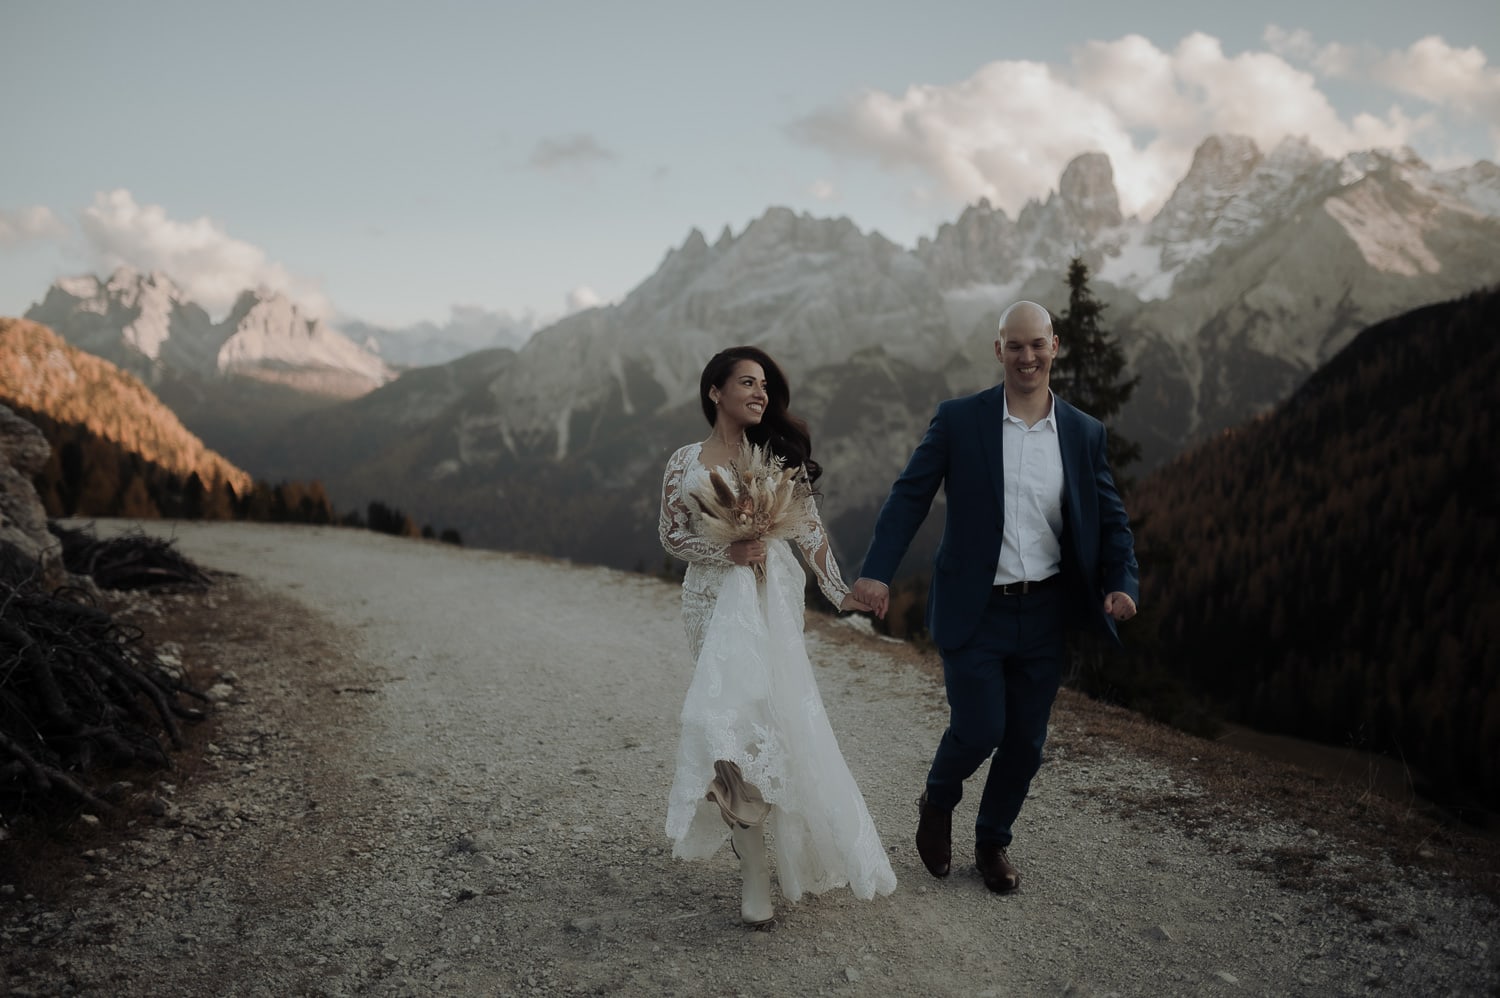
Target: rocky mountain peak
(272, 335)
(1231, 193)
(1221, 170)
(1087, 190)
(981, 246)
(695, 245)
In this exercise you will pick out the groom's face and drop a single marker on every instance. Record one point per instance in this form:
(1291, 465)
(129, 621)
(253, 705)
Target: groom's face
(1027, 347)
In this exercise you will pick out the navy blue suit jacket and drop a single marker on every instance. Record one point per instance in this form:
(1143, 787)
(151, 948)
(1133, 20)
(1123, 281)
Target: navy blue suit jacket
(962, 452)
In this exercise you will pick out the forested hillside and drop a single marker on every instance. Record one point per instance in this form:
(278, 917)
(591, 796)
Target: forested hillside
(41, 373)
(1330, 570)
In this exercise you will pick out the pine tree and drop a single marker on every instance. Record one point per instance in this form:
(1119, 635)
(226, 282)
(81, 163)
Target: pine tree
(1089, 372)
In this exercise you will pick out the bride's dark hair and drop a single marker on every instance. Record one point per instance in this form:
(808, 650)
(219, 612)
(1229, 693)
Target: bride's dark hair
(786, 434)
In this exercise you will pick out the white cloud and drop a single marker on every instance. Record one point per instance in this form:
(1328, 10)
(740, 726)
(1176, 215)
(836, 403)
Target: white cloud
(582, 297)
(823, 190)
(208, 264)
(1007, 131)
(1459, 80)
(32, 223)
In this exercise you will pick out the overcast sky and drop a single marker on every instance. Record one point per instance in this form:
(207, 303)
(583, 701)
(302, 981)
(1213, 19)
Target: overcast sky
(393, 161)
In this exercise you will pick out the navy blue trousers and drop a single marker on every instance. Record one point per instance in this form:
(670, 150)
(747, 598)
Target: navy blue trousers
(1001, 686)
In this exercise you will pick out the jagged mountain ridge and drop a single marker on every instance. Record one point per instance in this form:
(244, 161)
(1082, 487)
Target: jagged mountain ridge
(145, 324)
(1257, 269)
(1273, 262)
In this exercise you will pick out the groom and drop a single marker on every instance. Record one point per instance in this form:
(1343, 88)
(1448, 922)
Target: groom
(1036, 541)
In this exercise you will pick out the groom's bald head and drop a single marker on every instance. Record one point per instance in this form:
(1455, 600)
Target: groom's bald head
(1025, 314)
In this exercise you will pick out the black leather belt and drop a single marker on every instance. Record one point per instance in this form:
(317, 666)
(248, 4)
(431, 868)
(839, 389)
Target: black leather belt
(1022, 588)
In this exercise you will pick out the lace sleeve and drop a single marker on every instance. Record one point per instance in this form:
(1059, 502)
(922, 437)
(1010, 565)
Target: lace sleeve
(819, 557)
(675, 527)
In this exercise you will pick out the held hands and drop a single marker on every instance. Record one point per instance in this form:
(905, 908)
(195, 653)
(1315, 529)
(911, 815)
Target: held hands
(876, 596)
(852, 605)
(748, 552)
(1119, 606)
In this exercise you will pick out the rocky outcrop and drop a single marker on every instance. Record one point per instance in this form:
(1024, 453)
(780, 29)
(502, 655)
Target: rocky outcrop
(986, 247)
(23, 521)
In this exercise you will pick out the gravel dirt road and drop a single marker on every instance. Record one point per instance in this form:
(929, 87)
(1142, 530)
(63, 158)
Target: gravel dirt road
(435, 771)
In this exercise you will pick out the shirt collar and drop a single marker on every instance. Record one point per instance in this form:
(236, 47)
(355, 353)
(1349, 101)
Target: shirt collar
(1050, 419)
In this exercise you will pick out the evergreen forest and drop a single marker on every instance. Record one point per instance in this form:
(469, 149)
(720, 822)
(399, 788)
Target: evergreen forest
(1329, 570)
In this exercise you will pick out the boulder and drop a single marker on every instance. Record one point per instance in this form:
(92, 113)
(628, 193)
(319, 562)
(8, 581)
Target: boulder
(23, 520)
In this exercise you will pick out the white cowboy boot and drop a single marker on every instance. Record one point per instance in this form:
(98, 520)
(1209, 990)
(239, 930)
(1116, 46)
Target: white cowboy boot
(750, 846)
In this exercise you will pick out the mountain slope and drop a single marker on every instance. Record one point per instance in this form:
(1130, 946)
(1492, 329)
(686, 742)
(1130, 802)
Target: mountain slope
(1329, 570)
(1328, 252)
(41, 373)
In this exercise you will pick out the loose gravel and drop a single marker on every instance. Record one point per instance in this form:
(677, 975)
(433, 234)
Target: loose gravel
(435, 771)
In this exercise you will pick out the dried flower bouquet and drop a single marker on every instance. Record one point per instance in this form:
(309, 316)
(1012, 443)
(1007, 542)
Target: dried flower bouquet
(762, 498)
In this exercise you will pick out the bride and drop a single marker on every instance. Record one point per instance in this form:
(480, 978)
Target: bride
(756, 753)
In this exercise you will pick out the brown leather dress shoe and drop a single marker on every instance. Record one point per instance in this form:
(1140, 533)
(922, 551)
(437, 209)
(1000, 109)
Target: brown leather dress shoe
(995, 867)
(935, 837)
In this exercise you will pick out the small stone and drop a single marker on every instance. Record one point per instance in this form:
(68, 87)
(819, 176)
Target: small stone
(1159, 934)
(1226, 977)
(116, 791)
(851, 975)
(91, 820)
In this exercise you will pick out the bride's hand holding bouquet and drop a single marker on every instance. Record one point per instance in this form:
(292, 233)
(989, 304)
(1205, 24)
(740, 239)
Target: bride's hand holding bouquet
(759, 498)
(755, 499)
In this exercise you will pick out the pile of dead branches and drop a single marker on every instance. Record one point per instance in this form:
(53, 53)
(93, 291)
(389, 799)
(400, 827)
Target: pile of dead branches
(128, 561)
(79, 693)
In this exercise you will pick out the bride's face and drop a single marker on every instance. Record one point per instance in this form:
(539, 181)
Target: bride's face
(742, 399)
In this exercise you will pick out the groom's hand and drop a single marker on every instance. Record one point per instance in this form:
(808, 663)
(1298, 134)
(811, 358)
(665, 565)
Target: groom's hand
(1119, 606)
(877, 595)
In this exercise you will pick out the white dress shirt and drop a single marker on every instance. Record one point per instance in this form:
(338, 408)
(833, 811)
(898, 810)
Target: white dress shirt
(1031, 547)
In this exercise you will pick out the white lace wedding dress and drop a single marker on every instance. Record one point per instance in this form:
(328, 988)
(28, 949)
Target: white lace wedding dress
(753, 700)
